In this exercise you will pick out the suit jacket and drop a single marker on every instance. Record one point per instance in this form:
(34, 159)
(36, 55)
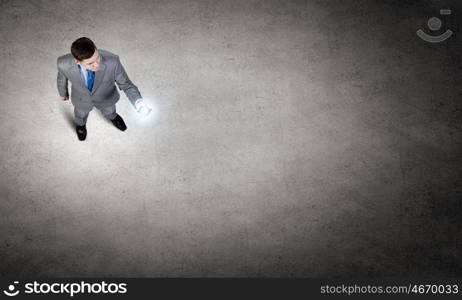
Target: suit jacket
(104, 92)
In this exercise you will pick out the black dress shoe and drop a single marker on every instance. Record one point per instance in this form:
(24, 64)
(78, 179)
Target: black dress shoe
(81, 132)
(119, 123)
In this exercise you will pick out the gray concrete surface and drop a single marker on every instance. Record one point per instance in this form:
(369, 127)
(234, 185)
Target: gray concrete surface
(290, 139)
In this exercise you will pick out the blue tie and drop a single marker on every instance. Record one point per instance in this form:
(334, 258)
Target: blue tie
(90, 79)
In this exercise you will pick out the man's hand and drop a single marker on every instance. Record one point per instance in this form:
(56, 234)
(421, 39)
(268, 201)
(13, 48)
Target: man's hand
(142, 107)
(64, 98)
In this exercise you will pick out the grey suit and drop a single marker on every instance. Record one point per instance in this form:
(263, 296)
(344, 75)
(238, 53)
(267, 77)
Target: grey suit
(104, 94)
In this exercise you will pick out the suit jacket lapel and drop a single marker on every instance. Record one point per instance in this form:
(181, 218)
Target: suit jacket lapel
(76, 77)
(99, 75)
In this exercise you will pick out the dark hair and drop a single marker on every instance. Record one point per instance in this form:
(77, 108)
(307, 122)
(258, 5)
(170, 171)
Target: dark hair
(83, 48)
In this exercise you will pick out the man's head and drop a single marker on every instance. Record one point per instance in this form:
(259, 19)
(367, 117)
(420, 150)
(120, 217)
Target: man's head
(85, 53)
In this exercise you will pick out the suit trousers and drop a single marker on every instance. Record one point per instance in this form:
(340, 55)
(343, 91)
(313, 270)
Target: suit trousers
(81, 115)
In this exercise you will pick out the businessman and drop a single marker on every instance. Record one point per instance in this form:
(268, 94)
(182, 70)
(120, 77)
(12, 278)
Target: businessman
(93, 73)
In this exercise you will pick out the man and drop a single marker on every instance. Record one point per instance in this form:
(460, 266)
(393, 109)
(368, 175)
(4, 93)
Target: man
(93, 73)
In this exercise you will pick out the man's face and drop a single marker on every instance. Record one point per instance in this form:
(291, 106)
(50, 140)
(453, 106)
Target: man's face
(91, 63)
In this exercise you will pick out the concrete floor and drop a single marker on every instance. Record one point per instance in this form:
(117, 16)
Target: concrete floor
(289, 139)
